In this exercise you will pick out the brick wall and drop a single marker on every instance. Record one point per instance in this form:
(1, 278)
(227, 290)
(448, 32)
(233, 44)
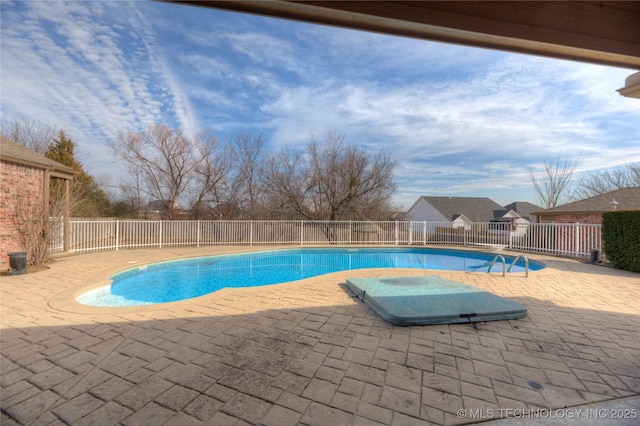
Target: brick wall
(590, 218)
(20, 187)
(566, 237)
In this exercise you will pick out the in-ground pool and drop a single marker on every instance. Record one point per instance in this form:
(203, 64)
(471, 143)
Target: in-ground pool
(187, 278)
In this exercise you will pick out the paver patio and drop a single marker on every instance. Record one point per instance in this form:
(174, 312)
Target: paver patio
(308, 352)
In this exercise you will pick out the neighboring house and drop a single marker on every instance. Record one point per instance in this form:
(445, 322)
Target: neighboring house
(461, 222)
(589, 210)
(24, 195)
(514, 219)
(458, 210)
(522, 208)
(161, 208)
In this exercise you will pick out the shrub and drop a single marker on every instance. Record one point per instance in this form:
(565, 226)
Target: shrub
(621, 239)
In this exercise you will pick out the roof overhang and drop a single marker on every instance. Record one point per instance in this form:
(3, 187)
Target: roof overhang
(61, 172)
(13, 152)
(600, 32)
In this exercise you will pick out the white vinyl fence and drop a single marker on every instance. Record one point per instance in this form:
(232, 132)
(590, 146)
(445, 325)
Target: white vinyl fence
(576, 240)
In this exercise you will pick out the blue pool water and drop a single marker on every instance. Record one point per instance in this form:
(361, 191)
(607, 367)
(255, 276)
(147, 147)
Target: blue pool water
(184, 279)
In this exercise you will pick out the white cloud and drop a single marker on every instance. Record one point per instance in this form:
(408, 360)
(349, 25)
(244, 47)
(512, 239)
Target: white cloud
(461, 120)
(71, 64)
(507, 117)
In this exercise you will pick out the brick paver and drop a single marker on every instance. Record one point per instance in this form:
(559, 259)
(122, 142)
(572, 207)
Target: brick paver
(308, 352)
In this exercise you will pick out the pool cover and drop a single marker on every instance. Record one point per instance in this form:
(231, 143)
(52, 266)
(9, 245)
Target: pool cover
(427, 300)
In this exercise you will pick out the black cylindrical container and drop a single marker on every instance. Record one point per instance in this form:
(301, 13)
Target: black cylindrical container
(18, 262)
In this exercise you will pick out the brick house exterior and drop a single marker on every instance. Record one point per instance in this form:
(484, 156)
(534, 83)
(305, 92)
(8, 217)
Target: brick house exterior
(589, 210)
(24, 191)
(585, 212)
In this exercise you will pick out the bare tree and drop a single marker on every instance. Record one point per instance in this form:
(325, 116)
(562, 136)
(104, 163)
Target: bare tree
(210, 174)
(598, 183)
(349, 183)
(245, 186)
(555, 183)
(168, 167)
(35, 222)
(287, 184)
(29, 133)
(130, 191)
(330, 181)
(162, 157)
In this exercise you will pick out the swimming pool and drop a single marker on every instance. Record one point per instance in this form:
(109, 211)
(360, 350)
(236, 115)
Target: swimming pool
(187, 278)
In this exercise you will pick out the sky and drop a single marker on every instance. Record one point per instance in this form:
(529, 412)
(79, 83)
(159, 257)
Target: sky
(460, 121)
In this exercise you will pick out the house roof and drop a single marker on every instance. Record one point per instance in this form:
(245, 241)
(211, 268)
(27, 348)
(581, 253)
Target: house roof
(523, 208)
(13, 152)
(476, 209)
(627, 199)
(162, 205)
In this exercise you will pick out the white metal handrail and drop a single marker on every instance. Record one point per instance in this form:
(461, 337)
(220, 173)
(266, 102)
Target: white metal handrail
(526, 264)
(501, 257)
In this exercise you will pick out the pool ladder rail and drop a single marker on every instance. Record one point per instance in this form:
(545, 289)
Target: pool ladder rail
(504, 264)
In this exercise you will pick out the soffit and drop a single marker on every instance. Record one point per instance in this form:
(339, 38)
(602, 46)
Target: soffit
(605, 32)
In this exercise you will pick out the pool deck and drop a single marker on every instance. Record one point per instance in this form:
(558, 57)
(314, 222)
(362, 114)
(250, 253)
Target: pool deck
(309, 353)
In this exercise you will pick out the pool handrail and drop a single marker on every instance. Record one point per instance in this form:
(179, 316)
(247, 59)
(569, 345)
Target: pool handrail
(526, 264)
(501, 257)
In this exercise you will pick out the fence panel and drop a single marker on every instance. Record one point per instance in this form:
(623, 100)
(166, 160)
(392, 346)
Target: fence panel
(274, 232)
(92, 235)
(180, 233)
(575, 240)
(540, 238)
(225, 232)
(56, 236)
(140, 233)
(325, 232)
(590, 239)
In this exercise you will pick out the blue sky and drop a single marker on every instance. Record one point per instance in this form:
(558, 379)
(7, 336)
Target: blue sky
(462, 121)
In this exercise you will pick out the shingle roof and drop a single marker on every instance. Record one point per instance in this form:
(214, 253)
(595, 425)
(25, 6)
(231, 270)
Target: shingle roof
(523, 208)
(475, 209)
(13, 152)
(627, 199)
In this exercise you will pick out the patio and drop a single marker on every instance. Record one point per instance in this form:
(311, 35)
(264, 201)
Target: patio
(309, 353)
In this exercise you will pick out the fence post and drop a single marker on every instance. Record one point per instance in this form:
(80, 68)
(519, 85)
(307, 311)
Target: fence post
(198, 233)
(251, 232)
(424, 232)
(577, 239)
(350, 232)
(117, 234)
(160, 235)
(302, 232)
(397, 233)
(464, 233)
(410, 232)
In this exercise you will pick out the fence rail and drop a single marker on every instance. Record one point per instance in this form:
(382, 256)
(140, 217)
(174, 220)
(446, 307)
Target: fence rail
(576, 240)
